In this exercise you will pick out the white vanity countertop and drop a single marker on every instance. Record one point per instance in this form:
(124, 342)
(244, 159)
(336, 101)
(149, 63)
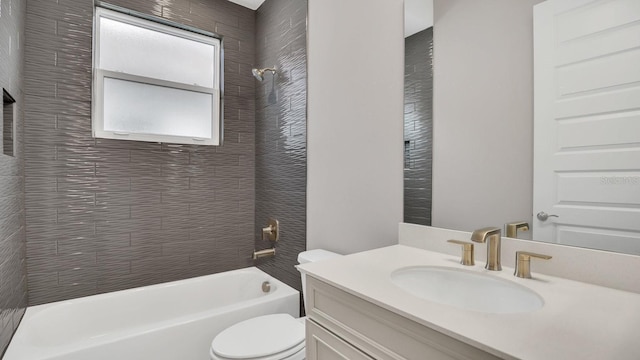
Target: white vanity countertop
(578, 320)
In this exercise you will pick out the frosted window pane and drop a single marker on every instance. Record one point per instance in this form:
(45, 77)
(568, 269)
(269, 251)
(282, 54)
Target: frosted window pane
(139, 51)
(149, 109)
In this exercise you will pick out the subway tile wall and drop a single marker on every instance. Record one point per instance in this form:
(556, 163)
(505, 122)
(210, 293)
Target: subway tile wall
(105, 215)
(13, 283)
(281, 132)
(418, 124)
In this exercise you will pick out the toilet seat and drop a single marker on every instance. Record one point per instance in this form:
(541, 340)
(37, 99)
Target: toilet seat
(268, 337)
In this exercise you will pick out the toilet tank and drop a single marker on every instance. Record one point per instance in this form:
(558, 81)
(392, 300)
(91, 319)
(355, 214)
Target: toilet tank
(312, 256)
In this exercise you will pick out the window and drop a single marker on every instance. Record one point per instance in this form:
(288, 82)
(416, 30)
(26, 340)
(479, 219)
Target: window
(155, 82)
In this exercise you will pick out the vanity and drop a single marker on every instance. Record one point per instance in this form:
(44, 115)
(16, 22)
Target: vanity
(362, 307)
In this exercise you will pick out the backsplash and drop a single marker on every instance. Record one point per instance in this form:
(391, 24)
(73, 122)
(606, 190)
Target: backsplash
(105, 215)
(281, 151)
(418, 125)
(13, 282)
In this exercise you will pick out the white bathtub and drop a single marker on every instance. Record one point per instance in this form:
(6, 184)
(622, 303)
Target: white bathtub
(171, 321)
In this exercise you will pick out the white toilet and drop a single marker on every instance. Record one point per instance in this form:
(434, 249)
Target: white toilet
(268, 337)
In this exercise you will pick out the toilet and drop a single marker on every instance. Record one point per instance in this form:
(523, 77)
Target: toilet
(267, 337)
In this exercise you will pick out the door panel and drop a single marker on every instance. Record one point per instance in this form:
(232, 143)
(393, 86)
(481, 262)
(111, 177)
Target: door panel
(607, 130)
(613, 240)
(599, 188)
(587, 123)
(608, 41)
(586, 18)
(599, 73)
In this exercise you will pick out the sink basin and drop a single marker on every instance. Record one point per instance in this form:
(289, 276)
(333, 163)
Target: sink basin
(467, 290)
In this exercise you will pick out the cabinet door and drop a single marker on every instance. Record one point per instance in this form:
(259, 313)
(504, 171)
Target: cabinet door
(322, 345)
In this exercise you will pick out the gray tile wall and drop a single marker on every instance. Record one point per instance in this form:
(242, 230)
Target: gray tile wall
(105, 215)
(281, 132)
(418, 124)
(13, 290)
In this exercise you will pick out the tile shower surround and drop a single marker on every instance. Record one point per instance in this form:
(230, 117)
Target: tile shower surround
(105, 215)
(13, 281)
(418, 124)
(281, 172)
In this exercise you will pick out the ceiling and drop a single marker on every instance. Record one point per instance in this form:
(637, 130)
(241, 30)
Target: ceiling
(418, 14)
(251, 4)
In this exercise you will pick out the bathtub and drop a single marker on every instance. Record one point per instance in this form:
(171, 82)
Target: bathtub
(170, 321)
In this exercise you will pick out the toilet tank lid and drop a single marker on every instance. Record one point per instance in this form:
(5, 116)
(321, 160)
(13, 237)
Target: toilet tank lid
(315, 255)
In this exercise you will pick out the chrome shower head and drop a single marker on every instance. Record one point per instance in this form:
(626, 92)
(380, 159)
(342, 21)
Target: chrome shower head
(259, 73)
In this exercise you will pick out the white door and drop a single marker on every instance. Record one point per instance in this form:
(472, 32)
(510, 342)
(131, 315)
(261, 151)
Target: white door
(587, 123)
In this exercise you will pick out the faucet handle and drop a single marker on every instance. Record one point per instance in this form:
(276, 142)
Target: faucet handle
(512, 228)
(467, 252)
(271, 231)
(523, 263)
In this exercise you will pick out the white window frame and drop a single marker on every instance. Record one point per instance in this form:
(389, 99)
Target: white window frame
(163, 26)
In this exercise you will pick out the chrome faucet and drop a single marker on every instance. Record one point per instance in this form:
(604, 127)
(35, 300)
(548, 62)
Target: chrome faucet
(493, 247)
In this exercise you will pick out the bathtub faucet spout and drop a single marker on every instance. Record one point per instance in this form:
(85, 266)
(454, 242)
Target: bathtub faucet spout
(263, 253)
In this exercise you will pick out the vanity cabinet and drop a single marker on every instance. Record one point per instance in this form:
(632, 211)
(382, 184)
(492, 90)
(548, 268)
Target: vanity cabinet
(343, 326)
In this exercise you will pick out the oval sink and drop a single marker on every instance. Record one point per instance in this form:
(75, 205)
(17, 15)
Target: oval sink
(467, 290)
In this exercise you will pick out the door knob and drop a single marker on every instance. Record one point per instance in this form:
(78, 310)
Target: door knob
(543, 216)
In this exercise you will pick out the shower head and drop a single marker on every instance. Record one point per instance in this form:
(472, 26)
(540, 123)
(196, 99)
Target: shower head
(259, 73)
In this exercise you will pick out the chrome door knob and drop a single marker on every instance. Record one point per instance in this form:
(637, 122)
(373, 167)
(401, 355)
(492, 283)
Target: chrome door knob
(543, 216)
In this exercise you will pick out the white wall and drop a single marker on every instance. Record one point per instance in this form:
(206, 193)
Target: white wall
(483, 112)
(418, 15)
(355, 112)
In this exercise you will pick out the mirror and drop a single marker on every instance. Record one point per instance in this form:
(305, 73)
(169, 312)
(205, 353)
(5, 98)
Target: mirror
(418, 111)
(482, 109)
